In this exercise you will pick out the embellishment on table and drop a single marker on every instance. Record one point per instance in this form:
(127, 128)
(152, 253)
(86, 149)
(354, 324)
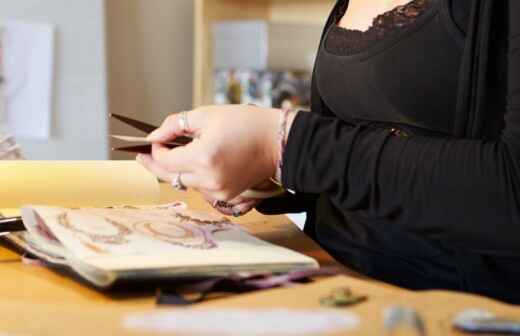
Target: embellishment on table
(483, 321)
(342, 297)
(117, 238)
(239, 322)
(184, 230)
(399, 318)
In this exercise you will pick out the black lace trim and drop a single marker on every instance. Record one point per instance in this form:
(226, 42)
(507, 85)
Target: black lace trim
(344, 41)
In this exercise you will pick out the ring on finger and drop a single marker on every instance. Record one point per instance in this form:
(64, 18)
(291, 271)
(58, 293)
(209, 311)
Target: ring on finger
(183, 122)
(177, 183)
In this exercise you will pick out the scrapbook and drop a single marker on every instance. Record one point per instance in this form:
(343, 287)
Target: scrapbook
(101, 221)
(106, 245)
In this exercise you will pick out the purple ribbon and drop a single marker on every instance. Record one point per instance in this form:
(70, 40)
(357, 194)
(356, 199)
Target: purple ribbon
(237, 283)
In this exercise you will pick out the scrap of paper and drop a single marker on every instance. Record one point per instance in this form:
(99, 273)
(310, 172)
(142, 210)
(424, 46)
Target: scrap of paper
(244, 322)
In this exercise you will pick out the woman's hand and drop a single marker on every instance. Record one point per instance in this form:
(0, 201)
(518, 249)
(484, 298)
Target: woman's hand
(240, 205)
(236, 147)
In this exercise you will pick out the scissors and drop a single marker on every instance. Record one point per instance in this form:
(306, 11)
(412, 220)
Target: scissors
(146, 148)
(11, 224)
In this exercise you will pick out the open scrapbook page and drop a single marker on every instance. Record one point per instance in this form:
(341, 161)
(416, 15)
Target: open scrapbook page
(102, 221)
(103, 245)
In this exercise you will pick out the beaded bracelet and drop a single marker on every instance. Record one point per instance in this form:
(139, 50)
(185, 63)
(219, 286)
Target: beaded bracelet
(282, 136)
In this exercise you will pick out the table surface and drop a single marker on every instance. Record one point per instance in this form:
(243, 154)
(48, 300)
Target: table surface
(38, 301)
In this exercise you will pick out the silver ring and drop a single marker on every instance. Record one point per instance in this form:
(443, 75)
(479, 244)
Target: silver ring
(177, 183)
(183, 122)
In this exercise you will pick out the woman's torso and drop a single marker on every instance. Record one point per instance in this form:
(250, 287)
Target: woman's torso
(391, 73)
(403, 73)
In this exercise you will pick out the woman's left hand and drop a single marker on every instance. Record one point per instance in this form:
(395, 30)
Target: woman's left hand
(236, 147)
(240, 205)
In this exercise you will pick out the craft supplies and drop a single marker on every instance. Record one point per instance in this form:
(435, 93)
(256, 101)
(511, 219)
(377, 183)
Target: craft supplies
(231, 322)
(403, 321)
(482, 321)
(196, 291)
(342, 297)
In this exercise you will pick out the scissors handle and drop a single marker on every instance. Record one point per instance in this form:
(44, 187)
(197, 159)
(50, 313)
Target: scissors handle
(11, 224)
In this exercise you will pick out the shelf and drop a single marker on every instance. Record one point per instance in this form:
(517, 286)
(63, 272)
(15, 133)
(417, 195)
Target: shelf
(207, 12)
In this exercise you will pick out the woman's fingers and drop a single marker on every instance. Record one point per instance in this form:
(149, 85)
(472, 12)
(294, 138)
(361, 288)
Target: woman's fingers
(237, 201)
(236, 207)
(179, 159)
(156, 169)
(169, 130)
(244, 208)
(189, 180)
(179, 124)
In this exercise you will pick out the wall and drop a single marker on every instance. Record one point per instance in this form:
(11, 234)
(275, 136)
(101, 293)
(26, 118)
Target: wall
(79, 125)
(150, 57)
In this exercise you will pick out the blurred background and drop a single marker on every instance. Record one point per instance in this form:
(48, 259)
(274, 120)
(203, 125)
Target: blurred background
(65, 65)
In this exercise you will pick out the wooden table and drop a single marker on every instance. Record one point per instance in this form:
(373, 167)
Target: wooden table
(30, 285)
(37, 301)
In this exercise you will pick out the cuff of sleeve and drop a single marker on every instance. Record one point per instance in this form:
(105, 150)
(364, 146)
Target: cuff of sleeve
(294, 149)
(311, 160)
(281, 205)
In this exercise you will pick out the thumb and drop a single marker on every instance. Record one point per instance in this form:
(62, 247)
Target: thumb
(176, 125)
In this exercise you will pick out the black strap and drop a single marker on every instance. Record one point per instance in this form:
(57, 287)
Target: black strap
(471, 105)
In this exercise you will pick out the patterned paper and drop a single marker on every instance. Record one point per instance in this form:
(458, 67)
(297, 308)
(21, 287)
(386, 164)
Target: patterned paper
(131, 238)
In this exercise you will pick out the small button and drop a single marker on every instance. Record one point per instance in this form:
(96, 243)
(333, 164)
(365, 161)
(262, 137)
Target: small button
(398, 132)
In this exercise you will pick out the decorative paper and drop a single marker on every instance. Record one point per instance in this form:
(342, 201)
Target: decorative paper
(149, 238)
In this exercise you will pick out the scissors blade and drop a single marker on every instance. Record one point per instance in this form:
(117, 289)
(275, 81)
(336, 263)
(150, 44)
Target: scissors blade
(144, 149)
(181, 141)
(142, 126)
(147, 128)
(12, 224)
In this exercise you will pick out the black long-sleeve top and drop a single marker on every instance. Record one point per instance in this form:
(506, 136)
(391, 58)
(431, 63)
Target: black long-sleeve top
(389, 186)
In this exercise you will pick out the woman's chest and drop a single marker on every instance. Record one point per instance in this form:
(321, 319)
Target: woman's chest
(404, 69)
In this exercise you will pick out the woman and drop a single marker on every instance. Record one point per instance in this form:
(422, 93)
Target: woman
(408, 165)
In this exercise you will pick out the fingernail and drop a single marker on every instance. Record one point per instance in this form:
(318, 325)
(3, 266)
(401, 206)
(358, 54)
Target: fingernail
(139, 158)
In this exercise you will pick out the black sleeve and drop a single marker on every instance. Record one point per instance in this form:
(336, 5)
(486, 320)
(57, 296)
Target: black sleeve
(465, 192)
(300, 202)
(287, 203)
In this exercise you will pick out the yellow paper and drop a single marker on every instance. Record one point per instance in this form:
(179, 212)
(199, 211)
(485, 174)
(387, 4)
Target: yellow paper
(76, 183)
